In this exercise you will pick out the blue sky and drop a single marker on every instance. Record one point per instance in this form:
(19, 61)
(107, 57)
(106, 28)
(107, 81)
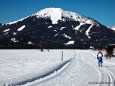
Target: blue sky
(100, 10)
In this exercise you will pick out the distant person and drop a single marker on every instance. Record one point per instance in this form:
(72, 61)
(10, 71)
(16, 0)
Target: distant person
(100, 58)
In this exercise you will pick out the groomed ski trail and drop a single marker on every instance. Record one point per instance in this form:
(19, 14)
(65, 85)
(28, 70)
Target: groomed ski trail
(81, 70)
(78, 73)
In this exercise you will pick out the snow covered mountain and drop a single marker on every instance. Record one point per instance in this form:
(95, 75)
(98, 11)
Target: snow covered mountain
(112, 27)
(55, 28)
(56, 14)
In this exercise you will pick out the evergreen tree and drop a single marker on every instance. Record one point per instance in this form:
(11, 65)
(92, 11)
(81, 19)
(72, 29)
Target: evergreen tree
(109, 51)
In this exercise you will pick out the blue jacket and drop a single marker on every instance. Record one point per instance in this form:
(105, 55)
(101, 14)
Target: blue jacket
(100, 59)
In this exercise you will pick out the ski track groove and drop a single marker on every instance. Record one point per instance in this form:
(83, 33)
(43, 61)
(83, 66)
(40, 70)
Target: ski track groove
(109, 76)
(112, 75)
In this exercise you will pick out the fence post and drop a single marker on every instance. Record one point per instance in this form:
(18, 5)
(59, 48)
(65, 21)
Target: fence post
(75, 56)
(62, 56)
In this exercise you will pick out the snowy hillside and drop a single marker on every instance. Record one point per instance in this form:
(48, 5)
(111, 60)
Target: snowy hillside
(35, 68)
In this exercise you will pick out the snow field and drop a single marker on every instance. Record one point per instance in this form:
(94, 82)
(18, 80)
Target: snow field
(47, 68)
(20, 65)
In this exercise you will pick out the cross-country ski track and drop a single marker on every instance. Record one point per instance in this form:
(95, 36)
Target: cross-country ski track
(81, 70)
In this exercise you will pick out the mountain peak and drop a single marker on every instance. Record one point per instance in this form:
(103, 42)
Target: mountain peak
(49, 11)
(56, 14)
(53, 9)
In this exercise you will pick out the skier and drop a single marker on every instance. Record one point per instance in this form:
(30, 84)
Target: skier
(100, 59)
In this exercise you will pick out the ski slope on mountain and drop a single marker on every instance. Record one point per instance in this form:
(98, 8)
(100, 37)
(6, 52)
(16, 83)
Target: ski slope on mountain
(78, 68)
